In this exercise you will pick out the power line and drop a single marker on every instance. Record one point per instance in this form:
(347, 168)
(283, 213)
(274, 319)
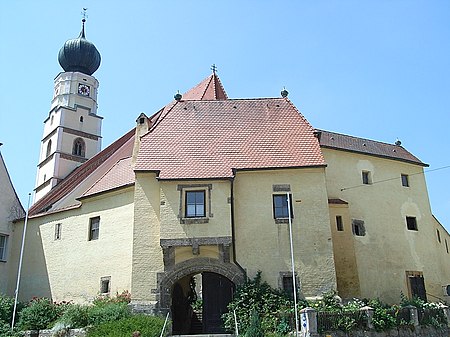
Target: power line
(390, 179)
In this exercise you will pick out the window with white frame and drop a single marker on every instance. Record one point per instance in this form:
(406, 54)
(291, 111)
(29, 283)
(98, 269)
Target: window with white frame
(3, 246)
(195, 203)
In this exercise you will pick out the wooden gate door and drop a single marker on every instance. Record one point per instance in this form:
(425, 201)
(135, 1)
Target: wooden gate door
(217, 293)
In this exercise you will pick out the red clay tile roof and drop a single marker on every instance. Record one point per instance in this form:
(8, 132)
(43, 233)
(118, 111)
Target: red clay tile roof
(208, 139)
(120, 175)
(209, 89)
(338, 141)
(77, 176)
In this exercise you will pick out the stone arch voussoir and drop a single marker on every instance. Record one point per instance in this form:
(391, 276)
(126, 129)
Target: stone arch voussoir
(167, 279)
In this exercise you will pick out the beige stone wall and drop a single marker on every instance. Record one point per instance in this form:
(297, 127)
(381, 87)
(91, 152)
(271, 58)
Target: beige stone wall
(262, 244)
(388, 248)
(70, 268)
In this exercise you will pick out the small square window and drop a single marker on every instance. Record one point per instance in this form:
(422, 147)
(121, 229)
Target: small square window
(195, 204)
(405, 180)
(366, 178)
(105, 285)
(94, 227)
(3, 246)
(358, 227)
(58, 231)
(411, 223)
(280, 206)
(339, 223)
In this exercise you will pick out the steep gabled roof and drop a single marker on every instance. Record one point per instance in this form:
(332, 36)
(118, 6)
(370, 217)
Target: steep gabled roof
(82, 172)
(209, 139)
(342, 142)
(209, 89)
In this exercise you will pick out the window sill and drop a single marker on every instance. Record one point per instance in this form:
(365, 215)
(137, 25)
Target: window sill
(189, 221)
(282, 220)
(4, 261)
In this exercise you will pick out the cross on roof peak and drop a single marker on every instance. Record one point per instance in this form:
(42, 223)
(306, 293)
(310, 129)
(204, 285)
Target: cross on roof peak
(214, 68)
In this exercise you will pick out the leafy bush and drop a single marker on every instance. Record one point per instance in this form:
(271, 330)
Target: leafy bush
(39, 314)
(383, 316)
(124, 297)
(5, 330)
(148, 326)
(7, 307)
(75, 316)
(254, 330)
(256, 295)
(99, 314)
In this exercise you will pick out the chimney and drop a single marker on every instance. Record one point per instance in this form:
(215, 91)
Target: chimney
(143, 124)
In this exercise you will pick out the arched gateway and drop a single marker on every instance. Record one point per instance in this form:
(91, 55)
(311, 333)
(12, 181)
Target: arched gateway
(214, 281)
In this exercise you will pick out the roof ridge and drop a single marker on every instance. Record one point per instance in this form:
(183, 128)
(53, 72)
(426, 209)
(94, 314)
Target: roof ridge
(356, 137)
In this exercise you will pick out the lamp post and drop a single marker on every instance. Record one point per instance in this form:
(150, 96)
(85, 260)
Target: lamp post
(292, 263)
(16, 292)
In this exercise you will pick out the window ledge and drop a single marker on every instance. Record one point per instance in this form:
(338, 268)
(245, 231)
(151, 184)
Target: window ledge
(4, 261)
(189, 221)
(282, 220)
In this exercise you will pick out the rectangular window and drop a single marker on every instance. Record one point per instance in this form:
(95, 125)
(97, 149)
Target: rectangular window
(94, 227)
(438, 235)
(366, 178)
(105, 285)
(358, 227)
(3, 246)
(280, 206)
(339, 223)
(57, 231)
(195, 204)
(405, 180)
(288, 286)
(446, 246)
(411, 223)
(417, 285)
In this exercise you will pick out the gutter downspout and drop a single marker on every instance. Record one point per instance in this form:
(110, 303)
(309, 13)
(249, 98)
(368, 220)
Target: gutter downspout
(233, 231)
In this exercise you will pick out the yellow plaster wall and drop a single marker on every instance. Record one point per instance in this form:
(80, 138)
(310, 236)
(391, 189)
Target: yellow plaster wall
(147, 252)
(71, 268)
(185, 253)
(344, 253)
(388, 249)
(218, 224)
(264, 245)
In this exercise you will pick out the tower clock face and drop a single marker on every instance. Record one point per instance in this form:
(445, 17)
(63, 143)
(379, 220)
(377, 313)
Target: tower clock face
(83, 89)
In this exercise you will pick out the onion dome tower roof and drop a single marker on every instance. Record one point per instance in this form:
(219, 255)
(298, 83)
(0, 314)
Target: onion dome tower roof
(79, 55)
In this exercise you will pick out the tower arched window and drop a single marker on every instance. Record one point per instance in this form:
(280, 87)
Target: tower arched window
(49, 148)
(78, 147)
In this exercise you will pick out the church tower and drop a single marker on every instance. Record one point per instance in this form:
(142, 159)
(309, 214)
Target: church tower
(72, 130)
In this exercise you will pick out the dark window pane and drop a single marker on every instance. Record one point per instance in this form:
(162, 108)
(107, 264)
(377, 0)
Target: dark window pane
(195, 204)
(280, 206)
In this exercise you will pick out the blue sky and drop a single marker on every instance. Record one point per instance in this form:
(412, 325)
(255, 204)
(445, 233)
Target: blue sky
(373, 69)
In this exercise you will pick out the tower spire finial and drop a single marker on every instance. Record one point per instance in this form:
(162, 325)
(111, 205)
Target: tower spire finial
(83, 13)
(214, 68)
